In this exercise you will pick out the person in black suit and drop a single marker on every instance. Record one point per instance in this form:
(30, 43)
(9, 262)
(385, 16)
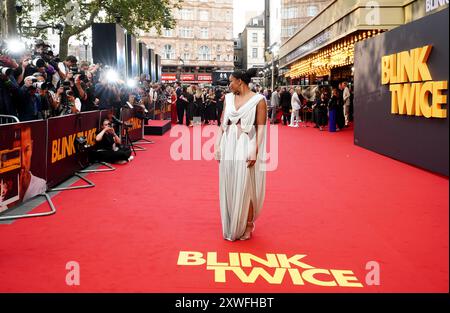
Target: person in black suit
(285, 103)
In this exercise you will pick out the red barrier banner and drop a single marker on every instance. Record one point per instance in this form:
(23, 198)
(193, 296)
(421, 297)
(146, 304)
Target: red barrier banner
(65, 154)
(135, 124)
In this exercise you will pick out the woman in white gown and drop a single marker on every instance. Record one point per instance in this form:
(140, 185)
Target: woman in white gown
(240, 148)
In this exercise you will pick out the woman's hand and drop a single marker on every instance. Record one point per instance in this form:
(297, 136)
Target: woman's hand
(252, 159)
(217, 154)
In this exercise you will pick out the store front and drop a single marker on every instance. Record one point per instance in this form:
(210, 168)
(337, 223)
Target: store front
(322, 52)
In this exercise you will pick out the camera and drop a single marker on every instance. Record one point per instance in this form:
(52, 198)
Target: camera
(38, 62)
(66, 85)
(39, 85)
(81, 144)
(5, 70)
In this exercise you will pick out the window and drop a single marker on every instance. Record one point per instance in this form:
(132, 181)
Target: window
(255, 53)
(186, 56)
(204, 15)
(203, 53)
(312, 10)
(186, 32)
(167, 33)
(168, 52)
(218, 57)
(255, 22)
(289, 13)
(186, 14)
(236, 58)
(254, 37)
(204, 33)
(219, 48)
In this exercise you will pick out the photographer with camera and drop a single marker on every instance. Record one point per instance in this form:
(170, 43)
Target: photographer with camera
(9, 88)
(67, 66)
(108, 146)
(28, 106)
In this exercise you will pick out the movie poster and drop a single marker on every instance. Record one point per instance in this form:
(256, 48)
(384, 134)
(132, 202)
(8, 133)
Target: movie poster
(22, 162)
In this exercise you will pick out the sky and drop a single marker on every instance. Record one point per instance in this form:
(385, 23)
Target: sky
(240, 8)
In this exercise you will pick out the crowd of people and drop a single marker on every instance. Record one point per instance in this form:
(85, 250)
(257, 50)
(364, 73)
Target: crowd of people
(39, 85)
(330, 107)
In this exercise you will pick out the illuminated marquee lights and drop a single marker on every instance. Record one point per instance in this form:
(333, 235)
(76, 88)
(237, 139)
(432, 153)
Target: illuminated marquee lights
(338, 54)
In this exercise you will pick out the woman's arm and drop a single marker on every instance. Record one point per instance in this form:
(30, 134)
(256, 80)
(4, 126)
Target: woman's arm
(261, 123)
(217, 151)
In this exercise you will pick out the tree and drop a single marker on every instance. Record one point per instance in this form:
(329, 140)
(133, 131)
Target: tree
(11, 17)
(135, 15)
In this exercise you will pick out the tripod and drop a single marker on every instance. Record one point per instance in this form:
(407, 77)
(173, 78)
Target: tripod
(128, 141)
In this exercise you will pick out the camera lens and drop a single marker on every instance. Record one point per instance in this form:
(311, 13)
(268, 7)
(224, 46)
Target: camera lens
(5, 70)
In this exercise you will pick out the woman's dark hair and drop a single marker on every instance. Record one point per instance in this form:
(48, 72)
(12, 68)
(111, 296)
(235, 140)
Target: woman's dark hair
(245, 76)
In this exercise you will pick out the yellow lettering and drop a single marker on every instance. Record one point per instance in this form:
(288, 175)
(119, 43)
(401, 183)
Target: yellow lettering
(393, 69)
(54, 151)
(277, 277)
(295, 276)
(385, 62)
(212, 259)
(439, 99)
(395, 90)
(220, 273)
(421, 71)
(285, 262)
(234, 259)
(308, 275)
(271, 261)
(406, 71)
(345, 281)
(425, 92)
(190, 258)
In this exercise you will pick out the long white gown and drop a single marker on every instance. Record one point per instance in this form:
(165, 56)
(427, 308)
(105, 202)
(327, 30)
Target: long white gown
(238, 184)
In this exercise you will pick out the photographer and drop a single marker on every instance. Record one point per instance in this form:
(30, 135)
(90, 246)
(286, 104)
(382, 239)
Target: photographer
(65, 67)
(108, 146)
(28, 105)
(9, 88)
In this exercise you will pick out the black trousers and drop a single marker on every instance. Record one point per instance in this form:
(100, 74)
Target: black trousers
(286, 115)
(111, 156)
(181, 107)
(322, 119)
(340, 118)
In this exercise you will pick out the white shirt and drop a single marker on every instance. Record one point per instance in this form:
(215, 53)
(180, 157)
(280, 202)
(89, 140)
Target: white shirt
(346, 96)
(78, 104)
(295, 101)
(37, 186)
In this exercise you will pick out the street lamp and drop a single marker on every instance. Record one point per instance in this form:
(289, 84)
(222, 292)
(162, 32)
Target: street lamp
(273, 50)
(86, 44)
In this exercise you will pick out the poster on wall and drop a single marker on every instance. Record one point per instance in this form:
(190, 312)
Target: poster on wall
(22, 162)
(401, 93)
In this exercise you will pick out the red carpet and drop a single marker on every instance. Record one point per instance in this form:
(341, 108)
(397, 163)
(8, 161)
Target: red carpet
(338, 204)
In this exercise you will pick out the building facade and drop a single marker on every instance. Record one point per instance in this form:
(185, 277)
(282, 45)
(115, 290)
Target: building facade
(296, 13)
(323, 50)
(200, 44)
(253, 43)
(238, 52)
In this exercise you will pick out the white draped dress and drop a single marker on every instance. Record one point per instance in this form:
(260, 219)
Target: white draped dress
(238, 184)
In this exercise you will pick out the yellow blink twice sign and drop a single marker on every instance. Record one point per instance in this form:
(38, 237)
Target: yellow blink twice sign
(412, 90)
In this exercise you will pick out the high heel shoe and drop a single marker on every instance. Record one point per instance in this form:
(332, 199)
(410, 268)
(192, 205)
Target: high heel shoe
(247, 235)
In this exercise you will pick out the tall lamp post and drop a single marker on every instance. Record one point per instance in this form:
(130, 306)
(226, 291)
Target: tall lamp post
(273, 50)
(86, 44)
